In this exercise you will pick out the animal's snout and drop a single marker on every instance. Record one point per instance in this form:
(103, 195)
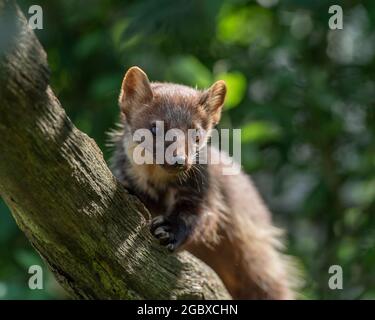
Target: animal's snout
(180, 163)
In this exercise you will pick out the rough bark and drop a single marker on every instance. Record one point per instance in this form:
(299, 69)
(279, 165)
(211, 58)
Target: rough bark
(91, 233)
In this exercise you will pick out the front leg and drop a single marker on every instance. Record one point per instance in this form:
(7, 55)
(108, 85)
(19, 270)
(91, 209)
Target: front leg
(176, 229)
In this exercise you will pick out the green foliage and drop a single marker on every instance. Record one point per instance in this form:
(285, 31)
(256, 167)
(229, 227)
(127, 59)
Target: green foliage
(303, 95)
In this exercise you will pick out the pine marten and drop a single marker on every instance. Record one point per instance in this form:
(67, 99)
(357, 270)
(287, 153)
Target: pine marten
(221, 219)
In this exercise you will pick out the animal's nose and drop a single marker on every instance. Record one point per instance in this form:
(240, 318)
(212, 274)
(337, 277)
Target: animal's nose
(179, 162)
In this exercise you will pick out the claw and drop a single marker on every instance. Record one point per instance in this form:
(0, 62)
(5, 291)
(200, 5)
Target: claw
(156, 222)
(165, 232)
(161, 232)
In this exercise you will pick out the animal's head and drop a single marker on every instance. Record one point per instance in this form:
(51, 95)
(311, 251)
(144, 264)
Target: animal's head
(177, 117)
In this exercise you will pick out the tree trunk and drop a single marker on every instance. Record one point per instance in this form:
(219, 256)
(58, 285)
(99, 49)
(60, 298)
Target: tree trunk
(91, 233)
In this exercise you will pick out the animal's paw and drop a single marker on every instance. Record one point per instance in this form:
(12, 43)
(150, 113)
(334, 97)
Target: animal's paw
(170, 234)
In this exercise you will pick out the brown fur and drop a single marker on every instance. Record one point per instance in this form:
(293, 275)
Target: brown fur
(220, 219)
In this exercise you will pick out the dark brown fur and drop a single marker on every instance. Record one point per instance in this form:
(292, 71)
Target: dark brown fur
(220, 219)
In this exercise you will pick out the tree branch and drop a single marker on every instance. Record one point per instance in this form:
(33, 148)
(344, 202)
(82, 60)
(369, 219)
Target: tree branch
(92, 234)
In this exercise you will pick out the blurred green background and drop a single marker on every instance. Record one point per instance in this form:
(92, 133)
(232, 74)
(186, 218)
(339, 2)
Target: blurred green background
(304, 96)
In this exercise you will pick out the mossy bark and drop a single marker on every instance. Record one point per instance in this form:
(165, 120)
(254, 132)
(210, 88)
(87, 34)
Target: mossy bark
(92, 233)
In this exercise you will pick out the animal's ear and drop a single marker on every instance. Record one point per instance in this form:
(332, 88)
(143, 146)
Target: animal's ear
(213, 100)
(135, 89)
